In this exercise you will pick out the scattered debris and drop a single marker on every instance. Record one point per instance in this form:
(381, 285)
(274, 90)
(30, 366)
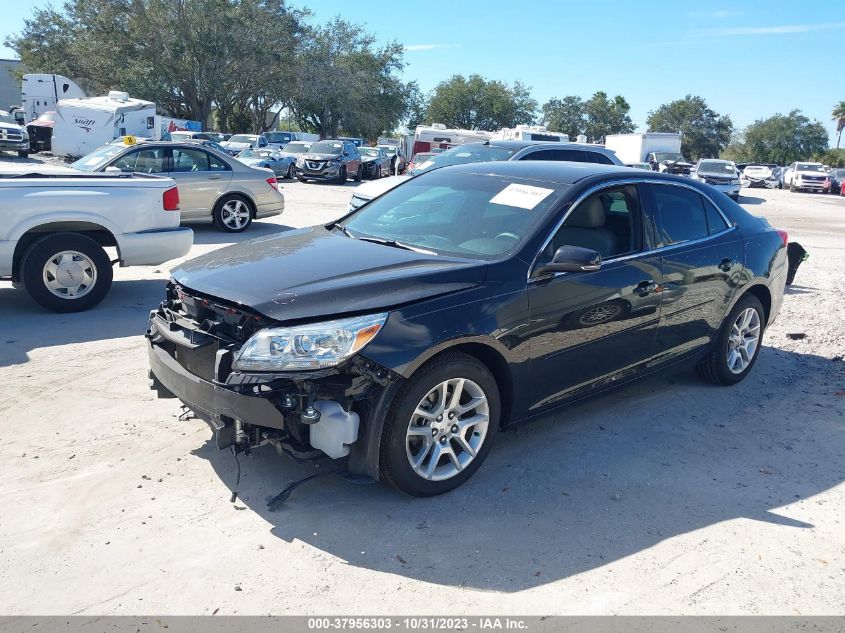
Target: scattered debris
(796, 336)
(401, 560)
(238, 588)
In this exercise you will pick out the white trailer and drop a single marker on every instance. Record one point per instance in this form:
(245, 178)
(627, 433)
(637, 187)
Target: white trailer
(41, 92)
(661, 150)
(530, 133)
(83, 125)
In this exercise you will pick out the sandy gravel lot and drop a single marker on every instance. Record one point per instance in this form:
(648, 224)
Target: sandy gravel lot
(666, 497)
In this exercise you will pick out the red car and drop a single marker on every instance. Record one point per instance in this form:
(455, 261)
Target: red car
(419, 159)
(40, 132)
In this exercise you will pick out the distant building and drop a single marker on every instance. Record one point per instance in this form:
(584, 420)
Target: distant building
(10, 85)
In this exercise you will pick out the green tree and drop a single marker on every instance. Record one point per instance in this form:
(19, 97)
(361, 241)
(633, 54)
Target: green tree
(565, 115)
(782, 139)
(704, 133)
(476, 103)
(604, 116)
(838, 115)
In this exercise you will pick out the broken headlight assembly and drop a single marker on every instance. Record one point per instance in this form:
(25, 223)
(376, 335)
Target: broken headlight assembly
(311, 346)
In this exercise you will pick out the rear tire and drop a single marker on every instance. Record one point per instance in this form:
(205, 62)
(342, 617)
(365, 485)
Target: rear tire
(232, 214)
(291, 172)
(55, 268)
(470, 422)
(716, 366)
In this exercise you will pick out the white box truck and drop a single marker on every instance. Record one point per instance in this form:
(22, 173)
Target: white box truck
(661, 150)
(41, 92)
(83, 125)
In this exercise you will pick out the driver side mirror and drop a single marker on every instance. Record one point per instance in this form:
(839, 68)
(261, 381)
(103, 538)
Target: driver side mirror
(570, 259)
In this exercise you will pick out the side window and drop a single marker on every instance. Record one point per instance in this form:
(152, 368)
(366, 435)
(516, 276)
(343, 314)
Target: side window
(607, 222)
(715, 221)
(215, 164)
(598, 157)
(262, 142)
(572, 155)
(681, 215)
(145, 161)
(187, 160)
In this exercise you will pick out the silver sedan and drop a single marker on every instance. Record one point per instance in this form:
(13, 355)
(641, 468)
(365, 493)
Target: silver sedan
(271, 158)
(213, 187)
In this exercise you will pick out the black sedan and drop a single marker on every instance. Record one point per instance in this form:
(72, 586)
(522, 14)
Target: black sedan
(375, 161)
(403, 337)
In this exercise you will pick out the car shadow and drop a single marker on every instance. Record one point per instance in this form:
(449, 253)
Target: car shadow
(24, 325)
(209, 234)
(599, 481)
(743, 199)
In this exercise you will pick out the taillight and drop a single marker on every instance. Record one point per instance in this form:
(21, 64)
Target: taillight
(170, 199)
(783, 236)
(273, 182)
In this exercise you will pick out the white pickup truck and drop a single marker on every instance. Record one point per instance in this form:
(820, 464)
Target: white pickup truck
(54, 228)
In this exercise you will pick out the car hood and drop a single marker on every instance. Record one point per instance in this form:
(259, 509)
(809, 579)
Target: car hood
(368, 159)
(314, 273)
(10, 127)
(235, 145)
(375, 188)
(310, 156)
(252, 162)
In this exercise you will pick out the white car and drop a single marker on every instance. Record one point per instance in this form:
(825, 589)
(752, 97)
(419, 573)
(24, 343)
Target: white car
(54, 228)
(13, 137)
(807, 177)
(719, 174)
(239, 142)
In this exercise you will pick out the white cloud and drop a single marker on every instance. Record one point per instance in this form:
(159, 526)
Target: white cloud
(428, 47)
(768, 30)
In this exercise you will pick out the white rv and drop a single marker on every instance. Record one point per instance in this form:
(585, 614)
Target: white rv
(530, 133)
(83, 125)
(40, 93)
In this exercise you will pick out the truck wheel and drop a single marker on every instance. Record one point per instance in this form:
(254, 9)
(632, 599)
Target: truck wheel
(66, 272)
(232, 214)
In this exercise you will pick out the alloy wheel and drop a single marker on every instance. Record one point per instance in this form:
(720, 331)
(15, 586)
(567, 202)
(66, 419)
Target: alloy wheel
(69, 275)
(743, 340)
(447, 429)
(235, 214)
(601, 314)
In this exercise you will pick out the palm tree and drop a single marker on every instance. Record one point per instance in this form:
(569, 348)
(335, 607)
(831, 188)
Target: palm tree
(838, 115)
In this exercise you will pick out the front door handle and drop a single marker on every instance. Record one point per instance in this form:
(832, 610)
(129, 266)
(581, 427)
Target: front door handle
(214, 177)
(645, 288)
(726, 265)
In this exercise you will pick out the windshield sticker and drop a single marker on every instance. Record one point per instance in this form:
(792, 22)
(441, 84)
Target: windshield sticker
(521, 196)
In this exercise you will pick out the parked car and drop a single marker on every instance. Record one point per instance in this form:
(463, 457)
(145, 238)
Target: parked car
(295, 148)
(40, 132)
(639, 166)
(397, 161)
(55, 227)
(330, 160)
(837, 178)
(375, 161)
(213, 187)
(459, 303)
(270, 158)
(281, 138)
(720, 174)
(806, 177)
(492, 150)
(13, 137)
(418, 159)
(239, 142)
(762, 175)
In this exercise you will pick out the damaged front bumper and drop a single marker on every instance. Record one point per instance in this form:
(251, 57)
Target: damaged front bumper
(192, 343)
(767, 183)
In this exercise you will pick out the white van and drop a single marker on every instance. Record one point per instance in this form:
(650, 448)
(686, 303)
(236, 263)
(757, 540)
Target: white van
(83, 125)
(41, 92)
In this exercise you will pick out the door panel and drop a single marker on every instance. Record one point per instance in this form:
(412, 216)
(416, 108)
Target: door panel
(199, 184)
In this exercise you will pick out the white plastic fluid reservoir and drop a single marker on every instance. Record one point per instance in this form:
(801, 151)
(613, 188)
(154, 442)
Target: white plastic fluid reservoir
(335, 430)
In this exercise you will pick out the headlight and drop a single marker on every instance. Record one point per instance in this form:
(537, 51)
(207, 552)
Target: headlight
(312, 346)
(300, 162)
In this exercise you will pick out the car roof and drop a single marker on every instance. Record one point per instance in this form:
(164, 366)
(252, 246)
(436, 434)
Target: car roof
(560, 172)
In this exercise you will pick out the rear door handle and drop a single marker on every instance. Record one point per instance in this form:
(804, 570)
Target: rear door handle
(645, 288)
(214, 177)
(726, 265)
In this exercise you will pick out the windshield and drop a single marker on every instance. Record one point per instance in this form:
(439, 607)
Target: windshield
(326, 147)
(390, 151)
(98, 158)
(808, 167)
(670, 156)
(369, 151)
(470, 153)
(7, 118)
(717, 167)
(278, 137)
(243, 138)
(463, 215)
(296, 147)
(255, 153)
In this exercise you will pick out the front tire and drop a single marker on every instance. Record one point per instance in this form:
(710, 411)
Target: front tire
(359, 175)
(291, 172)
(232, 214)
(441, 426)
(66, 272)
(738, 345)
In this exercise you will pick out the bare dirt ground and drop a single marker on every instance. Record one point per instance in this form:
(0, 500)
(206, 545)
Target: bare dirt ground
(666, 497)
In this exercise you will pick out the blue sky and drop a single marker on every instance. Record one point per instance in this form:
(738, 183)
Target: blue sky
(747, 59)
